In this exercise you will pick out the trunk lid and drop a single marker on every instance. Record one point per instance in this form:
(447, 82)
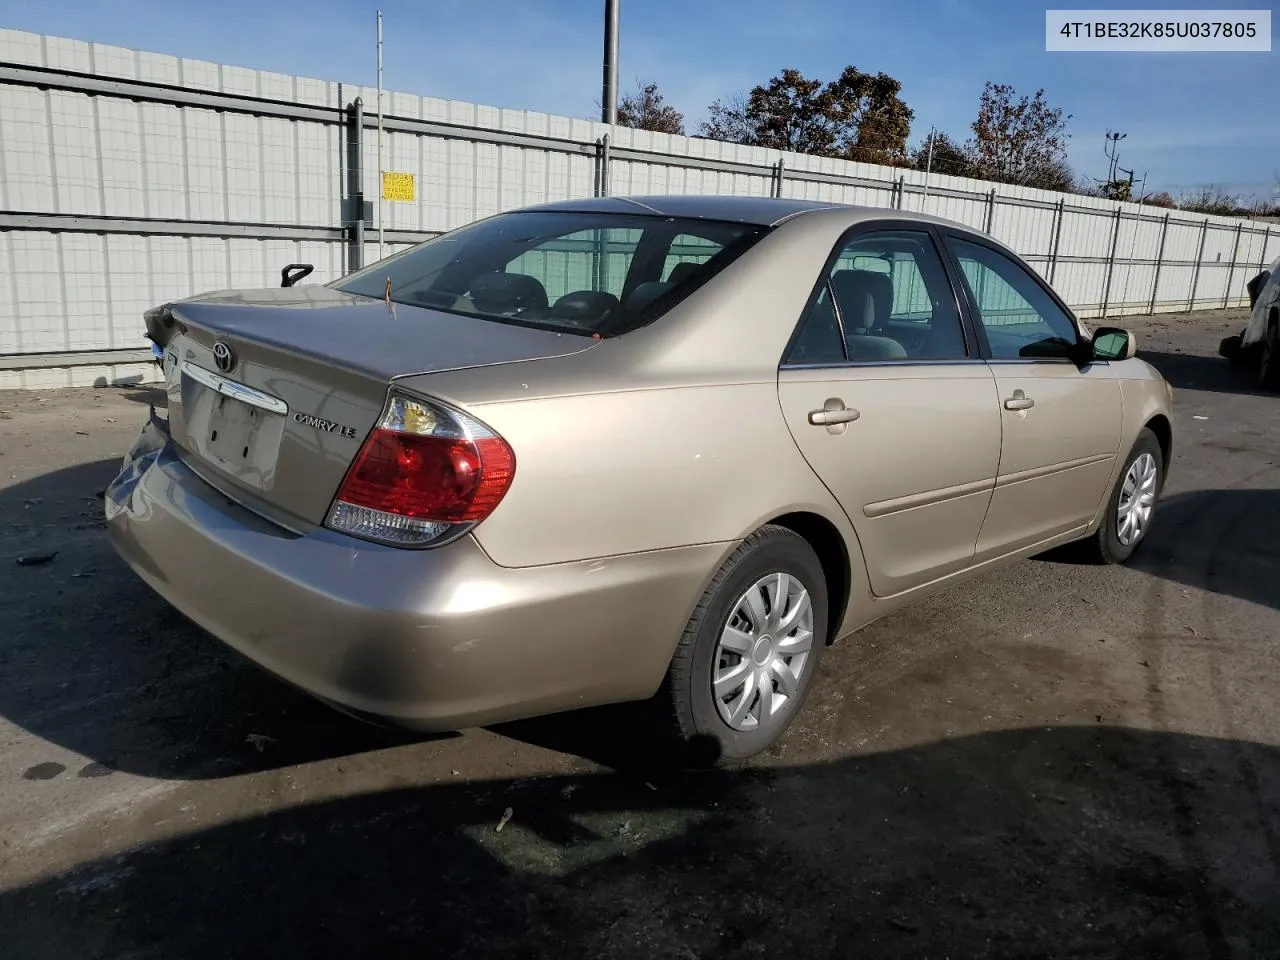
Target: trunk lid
(272, 392)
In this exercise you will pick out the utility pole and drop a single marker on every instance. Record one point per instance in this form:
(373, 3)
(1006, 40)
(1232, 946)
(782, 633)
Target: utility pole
(380, 169)
(609, 102)
(1111, 150)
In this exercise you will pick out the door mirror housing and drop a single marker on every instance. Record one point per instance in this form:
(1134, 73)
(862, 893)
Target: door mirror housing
(1112, 343)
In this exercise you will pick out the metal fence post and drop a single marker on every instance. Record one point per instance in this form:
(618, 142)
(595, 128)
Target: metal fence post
(1231, 270)
(779, 174)
(1054, 246)
(991, 210)
(354, 214)
(1111, 263)
(602, 166)
(1266, 242)
(899, 188)
(1155, 280)
(1195, 276)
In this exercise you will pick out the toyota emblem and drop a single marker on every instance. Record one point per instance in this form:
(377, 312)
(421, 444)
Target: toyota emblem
(224, 356)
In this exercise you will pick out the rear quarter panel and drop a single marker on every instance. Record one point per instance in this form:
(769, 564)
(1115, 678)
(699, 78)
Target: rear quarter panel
(625, 472)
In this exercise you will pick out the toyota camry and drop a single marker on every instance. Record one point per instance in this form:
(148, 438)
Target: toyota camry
(658, 449)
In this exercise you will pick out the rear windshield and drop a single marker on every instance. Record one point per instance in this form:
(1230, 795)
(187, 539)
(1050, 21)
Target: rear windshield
(584, 273)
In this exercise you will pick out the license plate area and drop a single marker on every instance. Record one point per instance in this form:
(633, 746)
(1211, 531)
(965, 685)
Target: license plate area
(239, 438)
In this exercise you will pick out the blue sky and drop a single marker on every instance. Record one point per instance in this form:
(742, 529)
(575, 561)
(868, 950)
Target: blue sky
(1190, 118)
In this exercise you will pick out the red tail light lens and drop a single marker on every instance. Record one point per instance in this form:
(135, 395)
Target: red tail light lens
(425, 474)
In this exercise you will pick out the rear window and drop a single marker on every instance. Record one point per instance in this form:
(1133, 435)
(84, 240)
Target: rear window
(576, 272)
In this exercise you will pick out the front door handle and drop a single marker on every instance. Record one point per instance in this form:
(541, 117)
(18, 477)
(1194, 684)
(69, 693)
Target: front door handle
(826, 418)
(1019, 401)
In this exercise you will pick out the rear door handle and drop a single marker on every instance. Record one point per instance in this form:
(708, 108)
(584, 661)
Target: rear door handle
(825, 418)
(1019, 401)
(834, 415)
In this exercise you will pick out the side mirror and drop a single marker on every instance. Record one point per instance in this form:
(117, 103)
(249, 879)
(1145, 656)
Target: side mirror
(293, 273)
(1112, 343)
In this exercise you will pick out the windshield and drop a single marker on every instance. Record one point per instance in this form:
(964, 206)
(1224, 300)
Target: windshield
(585, 273)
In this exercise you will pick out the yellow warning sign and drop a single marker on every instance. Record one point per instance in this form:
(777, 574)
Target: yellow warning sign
(398, 186)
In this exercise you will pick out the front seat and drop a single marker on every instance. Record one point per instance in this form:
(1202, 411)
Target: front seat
(682, 272)
(865, 299)
(507, 293)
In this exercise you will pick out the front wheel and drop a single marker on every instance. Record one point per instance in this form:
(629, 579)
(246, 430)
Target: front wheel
(1132, 504)
(750, 651)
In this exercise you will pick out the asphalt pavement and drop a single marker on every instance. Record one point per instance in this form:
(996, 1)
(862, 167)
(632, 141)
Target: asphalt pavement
(1053, 760)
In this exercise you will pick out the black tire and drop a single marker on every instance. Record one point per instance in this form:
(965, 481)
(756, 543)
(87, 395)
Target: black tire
(686, 703)
(1230, 348)
(1269, 367)
(1104, 547)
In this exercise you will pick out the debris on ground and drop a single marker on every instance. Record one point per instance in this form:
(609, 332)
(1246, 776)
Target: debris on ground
(36, 559)
(507, 814)
(259, 740)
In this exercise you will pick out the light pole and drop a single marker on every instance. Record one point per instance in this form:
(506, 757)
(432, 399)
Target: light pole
(380, 170)
(609, 102)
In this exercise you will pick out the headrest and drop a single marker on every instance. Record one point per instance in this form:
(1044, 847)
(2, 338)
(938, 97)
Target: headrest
(682, 272)
(647, 292)
(507, 293)
(584, 308)
(865, 298)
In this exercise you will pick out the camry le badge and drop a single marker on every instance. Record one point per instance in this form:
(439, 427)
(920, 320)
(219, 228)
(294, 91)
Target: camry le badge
(328, 426)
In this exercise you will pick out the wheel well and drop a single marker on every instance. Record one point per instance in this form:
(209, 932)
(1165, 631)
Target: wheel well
(1159, 425)
(832, 554)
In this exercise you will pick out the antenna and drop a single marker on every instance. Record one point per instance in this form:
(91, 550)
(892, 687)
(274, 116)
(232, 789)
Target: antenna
(1112, 152)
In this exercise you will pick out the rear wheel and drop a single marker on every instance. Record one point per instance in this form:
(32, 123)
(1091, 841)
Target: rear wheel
(1269, 371)
(750, 651)
(1132, 504)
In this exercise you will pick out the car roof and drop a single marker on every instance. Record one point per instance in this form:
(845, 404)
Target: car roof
(764, 211)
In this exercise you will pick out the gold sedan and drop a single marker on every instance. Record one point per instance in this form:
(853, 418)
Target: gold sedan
(660, 448)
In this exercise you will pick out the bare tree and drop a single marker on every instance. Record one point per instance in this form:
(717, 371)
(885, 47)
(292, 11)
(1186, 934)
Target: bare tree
(949, 157)
(1021, 140)
(644, 109)
(729, 121)
(1211, 199)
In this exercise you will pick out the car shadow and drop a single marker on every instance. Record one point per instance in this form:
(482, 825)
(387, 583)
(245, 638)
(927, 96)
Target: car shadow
(1081, 842)
(98, 664)
(146, 394)
(1212, 374)
(1226, 542)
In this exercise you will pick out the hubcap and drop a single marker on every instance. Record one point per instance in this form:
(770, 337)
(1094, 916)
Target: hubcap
(1137, 500)
(763, 652)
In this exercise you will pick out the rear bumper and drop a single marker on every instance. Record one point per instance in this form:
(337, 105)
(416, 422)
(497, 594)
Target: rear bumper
(432, 639)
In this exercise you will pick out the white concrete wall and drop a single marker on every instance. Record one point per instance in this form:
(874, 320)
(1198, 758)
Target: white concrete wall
(75, 154)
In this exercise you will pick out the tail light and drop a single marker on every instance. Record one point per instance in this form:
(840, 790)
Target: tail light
(426, 475)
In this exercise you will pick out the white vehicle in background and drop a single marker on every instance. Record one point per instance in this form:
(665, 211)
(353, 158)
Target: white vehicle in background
(1260, 342)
